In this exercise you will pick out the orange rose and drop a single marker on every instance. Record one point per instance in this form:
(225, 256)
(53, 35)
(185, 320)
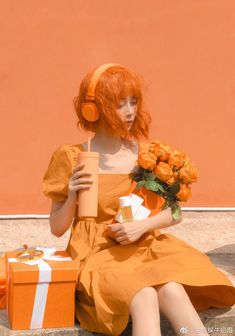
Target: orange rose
(176, 159)
(188, 173)
(176, 175)
(153, 147)
(147, 160)
(186, 159)
(171, 180)
(185, 192)
(160, 150)
(163, 171)
(163, 152)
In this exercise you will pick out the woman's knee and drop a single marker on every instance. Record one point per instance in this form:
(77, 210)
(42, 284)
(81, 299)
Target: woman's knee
(145, 293)
(171, 290)
(145, 296)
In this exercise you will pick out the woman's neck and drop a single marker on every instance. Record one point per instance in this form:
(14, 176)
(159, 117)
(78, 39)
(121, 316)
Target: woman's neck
(110, 144)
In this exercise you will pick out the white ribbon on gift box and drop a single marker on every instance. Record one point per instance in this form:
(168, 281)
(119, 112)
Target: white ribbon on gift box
(44, 280)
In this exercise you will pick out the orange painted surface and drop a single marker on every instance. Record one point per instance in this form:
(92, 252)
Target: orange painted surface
(185, 51)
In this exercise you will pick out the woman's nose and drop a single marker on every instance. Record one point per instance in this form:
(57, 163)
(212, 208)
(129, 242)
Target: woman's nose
(129, 108)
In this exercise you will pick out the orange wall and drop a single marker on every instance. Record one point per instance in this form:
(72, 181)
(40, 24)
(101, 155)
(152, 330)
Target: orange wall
(185, 50)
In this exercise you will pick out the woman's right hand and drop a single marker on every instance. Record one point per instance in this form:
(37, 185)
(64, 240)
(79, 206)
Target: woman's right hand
(79, 180)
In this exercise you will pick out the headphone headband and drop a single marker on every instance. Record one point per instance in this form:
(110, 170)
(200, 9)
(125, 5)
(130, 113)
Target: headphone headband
(89, 109)
(94, 79)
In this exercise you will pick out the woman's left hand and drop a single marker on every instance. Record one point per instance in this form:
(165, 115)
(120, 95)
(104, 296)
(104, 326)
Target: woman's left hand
(126, 233)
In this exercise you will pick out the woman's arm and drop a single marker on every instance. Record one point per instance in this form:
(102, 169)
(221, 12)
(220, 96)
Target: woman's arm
(62, 214)
(161, 220)
(129, 232)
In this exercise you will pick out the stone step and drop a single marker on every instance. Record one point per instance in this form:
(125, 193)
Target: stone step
(211, 232)
(218, 322)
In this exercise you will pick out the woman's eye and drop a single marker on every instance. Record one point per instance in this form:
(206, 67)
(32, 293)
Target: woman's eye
(120, 105)
(134, 102)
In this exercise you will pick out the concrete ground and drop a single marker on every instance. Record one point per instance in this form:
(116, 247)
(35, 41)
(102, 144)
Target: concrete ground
(206, 231)
(211, 232)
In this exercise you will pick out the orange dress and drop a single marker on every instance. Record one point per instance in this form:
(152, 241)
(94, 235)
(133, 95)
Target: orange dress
(111, 274)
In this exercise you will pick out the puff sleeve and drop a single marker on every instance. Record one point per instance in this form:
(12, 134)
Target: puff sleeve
(59, 171)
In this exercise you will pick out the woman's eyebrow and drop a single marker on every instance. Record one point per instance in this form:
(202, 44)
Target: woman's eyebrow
(130, 97)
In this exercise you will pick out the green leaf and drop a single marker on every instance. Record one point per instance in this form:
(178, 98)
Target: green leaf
(165, 205)
(160, 187)
(149, 177)
(150, 185)
(140, 184)
(176, 211)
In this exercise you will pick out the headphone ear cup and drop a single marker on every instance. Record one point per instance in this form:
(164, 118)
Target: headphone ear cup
(90, 111)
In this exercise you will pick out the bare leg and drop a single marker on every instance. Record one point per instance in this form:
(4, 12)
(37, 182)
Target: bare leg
(175, 304)
(144, 311)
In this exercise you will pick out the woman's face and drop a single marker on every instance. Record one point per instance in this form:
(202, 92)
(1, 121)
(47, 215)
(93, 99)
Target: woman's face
(127, 109)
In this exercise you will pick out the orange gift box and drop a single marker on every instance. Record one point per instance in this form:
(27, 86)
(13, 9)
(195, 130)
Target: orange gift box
(2, 283)
(33, 301)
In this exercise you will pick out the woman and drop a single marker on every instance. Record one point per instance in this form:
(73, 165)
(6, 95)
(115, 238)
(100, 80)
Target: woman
(126, 270)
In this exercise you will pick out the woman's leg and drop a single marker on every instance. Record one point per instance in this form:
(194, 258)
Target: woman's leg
(175, 304)
(144, 311)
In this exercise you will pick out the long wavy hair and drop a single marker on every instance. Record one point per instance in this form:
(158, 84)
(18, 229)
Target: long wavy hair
(114, 84)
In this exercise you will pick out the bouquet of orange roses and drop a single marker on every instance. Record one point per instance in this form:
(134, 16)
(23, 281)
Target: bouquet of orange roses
(167, 172)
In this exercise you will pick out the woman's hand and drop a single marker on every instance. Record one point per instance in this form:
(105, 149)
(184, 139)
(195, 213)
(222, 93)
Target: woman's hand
(78, 180)
(126, 233)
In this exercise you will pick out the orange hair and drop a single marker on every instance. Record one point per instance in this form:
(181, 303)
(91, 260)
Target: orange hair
(114, 84)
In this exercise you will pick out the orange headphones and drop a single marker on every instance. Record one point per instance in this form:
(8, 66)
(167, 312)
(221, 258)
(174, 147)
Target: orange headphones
(89, 109)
